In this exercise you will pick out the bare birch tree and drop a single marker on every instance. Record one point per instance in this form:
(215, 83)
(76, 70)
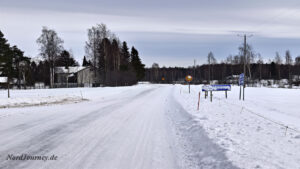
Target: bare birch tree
(278, 62)
(289, 62)
(50, 47)
(95, 36)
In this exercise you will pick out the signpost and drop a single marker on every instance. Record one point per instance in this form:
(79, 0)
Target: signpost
(211, 88)
(242, 83)
(216, 88)
(189, 78)
(242, 79)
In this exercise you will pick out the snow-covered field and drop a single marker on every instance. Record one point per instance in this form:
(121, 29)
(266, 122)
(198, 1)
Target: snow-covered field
(250, 131)
(151, 126)
(36, 97)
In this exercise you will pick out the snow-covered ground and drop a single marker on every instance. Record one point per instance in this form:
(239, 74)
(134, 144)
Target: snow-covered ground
(152, 126)
(250, 131)
(22, 98)
(36, 97)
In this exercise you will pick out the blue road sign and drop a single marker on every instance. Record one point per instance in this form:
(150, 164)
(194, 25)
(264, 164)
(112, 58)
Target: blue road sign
(216, 88)
(242, 79)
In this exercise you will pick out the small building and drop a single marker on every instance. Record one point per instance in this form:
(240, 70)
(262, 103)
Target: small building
(233, 79)
(3, 82)
(66, 77)
(75, 77)
(295, 78)
(283, 82)
(13, 82)
(213, 82)
(39, 85)
(86, 77)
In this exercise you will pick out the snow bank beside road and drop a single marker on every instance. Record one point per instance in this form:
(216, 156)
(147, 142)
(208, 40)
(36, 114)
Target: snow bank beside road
(22, 98)
(250, 140)
(35, 97)
(22, 102)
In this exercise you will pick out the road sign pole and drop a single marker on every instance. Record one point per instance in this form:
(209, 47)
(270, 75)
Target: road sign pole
(240, 92)
(244, 92)
(242, 83)
(210, 96)
(189, 78)
(245, 50)
(198, 101)
(226, 94)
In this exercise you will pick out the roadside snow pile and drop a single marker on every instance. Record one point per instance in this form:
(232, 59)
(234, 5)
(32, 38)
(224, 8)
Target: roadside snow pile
(249, 130)
(37, 97)
(22, 102)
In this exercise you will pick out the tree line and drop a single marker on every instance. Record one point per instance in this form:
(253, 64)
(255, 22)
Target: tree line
(256, 69)
(109, 58)
(13, 63)
(112, 63)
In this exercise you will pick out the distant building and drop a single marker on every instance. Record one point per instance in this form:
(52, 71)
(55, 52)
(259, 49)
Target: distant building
(213, 82)
(283, 82)
(295, 78)
(234, 79)
(39, 85)
(86, 77)
(13, 82)
(3, 82)
(66, 77)
(74, 77)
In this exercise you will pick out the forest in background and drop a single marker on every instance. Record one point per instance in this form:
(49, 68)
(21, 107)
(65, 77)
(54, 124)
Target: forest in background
(227, 70)
(114, 64)
(109, 58)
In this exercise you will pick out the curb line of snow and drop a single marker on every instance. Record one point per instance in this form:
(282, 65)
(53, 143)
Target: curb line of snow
(43, 103)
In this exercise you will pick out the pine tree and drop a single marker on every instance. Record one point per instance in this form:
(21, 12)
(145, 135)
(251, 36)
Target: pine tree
(65, 59)
(20, 62)
(125, 57)
(137, 65)
(4, 48)
(85, 62)
(6, 61)
(115, 54)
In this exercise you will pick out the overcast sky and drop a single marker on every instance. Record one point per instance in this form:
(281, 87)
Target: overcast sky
(169, 32)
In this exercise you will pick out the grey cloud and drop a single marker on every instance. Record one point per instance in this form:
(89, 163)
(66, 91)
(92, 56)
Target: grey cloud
(177, 29)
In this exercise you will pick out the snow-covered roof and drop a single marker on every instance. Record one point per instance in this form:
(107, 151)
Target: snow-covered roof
(72, 69)
(3, 79)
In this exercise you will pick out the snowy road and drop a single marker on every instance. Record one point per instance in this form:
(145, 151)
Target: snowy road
(143, 127)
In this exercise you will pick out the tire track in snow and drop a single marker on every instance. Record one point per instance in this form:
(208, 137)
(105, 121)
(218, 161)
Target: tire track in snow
(53, 137)
(197, 151)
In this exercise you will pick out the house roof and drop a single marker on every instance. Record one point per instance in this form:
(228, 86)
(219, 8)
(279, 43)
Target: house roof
(72, 69)
(88, 67)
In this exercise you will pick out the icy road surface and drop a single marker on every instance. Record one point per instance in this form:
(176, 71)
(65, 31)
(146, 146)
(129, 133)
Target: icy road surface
(141, 127)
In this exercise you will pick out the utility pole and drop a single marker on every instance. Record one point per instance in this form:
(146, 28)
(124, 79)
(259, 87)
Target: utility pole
(245, 52)
(244, 59)
(209, 60)
(194, 69)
